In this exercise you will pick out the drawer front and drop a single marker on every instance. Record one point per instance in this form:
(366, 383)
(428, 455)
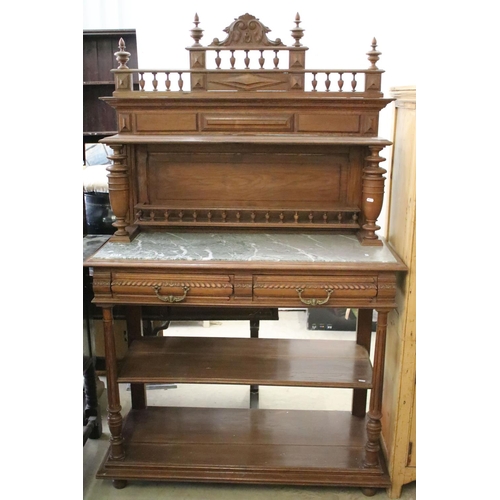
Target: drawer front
(169, 288)
(227, 122)
(314, 291)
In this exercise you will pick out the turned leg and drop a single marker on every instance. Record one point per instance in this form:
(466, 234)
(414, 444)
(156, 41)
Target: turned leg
(254, 389)
(133, 316)
(374, 425)
(363, 338)
(114, 408)
(91, 401)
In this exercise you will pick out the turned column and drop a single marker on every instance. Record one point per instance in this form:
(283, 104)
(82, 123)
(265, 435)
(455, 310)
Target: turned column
(118, 184)
(114, 408)
(373, 197)
(363, 338)
(374, 426)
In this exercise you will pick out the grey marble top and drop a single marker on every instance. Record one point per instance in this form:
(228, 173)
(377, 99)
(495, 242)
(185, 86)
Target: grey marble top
(245, 247)
(92, 243)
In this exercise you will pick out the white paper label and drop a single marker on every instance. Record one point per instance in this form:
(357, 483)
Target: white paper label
(370, 200)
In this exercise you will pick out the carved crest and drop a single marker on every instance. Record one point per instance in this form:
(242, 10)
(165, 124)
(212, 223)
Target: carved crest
(247, 31)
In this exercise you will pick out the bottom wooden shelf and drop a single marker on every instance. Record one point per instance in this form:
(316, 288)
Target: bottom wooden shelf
(245, 445)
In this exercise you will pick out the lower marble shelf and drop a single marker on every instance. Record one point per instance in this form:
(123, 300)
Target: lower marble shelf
(245, 445)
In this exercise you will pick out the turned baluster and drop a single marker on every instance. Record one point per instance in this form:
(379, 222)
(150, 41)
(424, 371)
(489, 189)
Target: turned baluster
(327, 82)
(276, 60)
(155, 81)
(340, 82)
(181, 81)
(374, 426)
(232, 59)
(118, 187)
(354, 82)
(314, 81)
(114, 416)
(247, 60)
(261, 59)
(142, 82)
(373, 196)
(218, 60)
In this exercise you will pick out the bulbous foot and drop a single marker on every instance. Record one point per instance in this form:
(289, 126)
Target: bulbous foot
(119, 483)
(368, 492)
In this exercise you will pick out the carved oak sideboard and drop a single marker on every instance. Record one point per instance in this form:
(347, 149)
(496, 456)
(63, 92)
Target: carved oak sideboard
(252, 186)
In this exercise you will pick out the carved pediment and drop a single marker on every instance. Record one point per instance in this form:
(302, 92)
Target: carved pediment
(247, 31)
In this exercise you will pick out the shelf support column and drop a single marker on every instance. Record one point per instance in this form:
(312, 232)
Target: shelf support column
(363, 338)
(374, 426)
(114, 416)
(373, 197)
(118, 184)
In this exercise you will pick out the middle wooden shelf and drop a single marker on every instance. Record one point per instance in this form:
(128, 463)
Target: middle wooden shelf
(277, 362)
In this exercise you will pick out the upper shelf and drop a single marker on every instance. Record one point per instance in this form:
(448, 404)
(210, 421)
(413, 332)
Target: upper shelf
(280, 362)
(247, 138)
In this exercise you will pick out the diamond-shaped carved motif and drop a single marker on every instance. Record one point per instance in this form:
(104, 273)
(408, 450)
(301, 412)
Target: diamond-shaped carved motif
(198, 62)
(198, 83)
(296, 83)
(248, 82)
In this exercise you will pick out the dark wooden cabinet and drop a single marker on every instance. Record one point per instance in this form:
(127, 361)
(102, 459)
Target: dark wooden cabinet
(99, 47)
(247, 188)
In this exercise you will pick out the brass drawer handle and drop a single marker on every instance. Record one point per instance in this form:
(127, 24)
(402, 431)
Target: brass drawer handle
(314, 302)
(170, 298)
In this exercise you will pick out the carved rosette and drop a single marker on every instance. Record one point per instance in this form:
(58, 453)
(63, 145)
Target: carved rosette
(118, 184)
(373, 196)
(246, 31)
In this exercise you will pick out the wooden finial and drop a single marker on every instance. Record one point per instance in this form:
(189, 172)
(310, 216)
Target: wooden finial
(196, 33)
(373, 55)
(297, 32)
(122, 56)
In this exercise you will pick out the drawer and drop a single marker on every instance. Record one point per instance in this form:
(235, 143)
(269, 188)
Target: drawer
(250, 122)
(170, 288)
(314, 291)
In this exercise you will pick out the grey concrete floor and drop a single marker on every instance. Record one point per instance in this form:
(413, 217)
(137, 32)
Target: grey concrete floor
(292, 324)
